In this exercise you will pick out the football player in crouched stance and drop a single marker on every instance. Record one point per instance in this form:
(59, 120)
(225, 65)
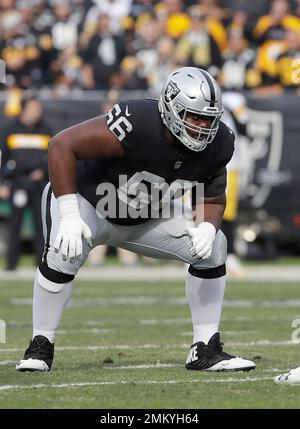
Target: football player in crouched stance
(149, 142)
(289, 378)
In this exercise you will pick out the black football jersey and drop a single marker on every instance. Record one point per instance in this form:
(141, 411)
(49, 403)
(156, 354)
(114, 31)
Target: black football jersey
(120, 188)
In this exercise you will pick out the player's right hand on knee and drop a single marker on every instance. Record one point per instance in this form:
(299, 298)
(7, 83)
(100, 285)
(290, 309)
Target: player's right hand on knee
(202, 239)
(72, 229)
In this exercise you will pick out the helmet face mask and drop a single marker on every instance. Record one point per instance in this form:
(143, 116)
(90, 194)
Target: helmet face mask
(191, 92)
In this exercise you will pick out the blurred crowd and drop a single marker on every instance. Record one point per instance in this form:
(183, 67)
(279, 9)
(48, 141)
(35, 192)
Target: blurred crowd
(134, 44)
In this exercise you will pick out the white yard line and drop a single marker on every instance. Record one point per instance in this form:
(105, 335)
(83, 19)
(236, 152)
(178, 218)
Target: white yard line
(154, 300)
(142, 366)
(149, 366)
(7, 362)
(152, 366)
(83, 331)
(229, 333)
(262, 342)
(108, 302)
(180, 321)
(165, 321)
(260, 318)
(119, 383)
(279, 371)
(96, 348)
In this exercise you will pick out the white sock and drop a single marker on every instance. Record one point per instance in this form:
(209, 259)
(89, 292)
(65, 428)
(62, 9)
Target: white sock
(205, 297)
(48, 308)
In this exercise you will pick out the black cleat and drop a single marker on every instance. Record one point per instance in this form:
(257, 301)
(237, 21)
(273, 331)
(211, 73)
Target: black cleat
(211, 357)
(38, 356)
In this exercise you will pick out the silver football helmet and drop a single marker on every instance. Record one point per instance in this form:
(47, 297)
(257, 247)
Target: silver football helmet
(191, 90)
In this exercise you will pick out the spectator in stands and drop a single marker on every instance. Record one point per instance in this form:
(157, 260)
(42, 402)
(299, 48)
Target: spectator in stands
(270, 33)
(296, 8)
(197, 47)
(18, 47)
(144, 48)
(11, 21)
(24, 171)
(252, 10)
(140, 7)
(65, 29)
(166, 62)
(216, 14)
(238, 71)
(64, 38)
(238, 22)
(141, 12)
(69, 44)
(103, 55)
(173, 17)
(42, 21)
(67, 70)
(116, 10)
(288, 62)
(131, 75)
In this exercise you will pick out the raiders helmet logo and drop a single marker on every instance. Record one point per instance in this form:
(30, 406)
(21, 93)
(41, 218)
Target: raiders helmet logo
(171, 91)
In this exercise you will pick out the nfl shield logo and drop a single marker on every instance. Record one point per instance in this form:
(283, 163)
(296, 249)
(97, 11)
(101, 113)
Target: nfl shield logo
(177, 165)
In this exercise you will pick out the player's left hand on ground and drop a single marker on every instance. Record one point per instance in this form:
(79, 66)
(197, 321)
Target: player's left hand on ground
(202, 239)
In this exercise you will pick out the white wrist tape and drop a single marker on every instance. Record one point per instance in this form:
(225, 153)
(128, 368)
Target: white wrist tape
(68, 206)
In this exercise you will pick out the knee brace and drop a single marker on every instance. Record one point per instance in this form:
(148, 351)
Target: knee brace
(214, 266)
(51, 280)
(208, 273)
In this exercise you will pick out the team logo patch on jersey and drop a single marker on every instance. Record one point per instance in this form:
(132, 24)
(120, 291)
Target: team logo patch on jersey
(171, 91)
(177, 165)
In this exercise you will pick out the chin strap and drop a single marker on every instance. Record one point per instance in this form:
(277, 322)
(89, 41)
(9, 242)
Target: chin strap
(190, 145)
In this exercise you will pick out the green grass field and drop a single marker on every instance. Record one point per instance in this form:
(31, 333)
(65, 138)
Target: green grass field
(124, 344)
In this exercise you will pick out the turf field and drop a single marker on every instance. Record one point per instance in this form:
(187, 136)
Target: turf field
(124, 344)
